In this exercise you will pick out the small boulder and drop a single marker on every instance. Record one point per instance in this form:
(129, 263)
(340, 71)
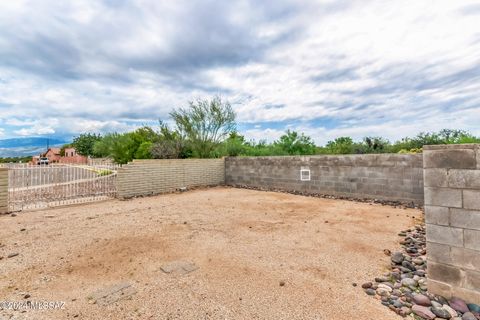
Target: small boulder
(423, 312)
(473, 307)
(404, 311)
(408, 265)
(421, 300)
(383, 292)
(409, 282)
(452, 312)
(384, 286)
(441, 313)
(458, 305)
(468, 316)
(370, 292)
(397, 257)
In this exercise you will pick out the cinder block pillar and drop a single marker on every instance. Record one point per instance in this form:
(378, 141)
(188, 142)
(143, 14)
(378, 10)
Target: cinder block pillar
(452, 214)
(3, 190)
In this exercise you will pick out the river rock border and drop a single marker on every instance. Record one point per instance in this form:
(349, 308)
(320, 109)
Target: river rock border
(404, 288)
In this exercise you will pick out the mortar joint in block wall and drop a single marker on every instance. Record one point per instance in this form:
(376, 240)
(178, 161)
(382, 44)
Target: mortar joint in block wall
(452, 213)
(148, 177)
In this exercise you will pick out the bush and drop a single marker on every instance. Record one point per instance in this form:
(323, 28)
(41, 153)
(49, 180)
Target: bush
(104, 172)
(84, 143)
(167, 149)
(205, 124)
(144, 150)
(292, 143)
(414, 150)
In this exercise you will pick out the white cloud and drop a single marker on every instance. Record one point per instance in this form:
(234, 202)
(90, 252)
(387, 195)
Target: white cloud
(19, 122)
(369, 67)
(35, 131)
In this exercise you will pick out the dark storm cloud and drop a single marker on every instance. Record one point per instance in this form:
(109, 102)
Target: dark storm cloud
(416, 78)
(203, 36)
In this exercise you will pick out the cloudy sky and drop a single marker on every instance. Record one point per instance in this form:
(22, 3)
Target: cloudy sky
(327, 68)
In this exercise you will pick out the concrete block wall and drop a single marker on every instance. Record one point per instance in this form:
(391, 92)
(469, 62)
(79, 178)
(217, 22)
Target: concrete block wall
(3, 190)
(397, 177)
(147, 177)
(452, 215)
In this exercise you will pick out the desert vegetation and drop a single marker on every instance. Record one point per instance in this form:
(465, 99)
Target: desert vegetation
(207, 129)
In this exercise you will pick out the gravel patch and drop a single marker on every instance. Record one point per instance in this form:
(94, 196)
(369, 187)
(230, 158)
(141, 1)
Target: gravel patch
(256, 255)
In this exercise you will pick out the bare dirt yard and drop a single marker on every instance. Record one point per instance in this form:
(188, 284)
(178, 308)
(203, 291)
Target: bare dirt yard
(219, 253)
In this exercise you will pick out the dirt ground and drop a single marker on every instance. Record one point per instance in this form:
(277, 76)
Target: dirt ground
(219, 253)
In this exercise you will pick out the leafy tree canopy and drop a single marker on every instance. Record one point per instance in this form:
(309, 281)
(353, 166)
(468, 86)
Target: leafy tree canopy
(205, 123)
(293, 143)
(84, 143)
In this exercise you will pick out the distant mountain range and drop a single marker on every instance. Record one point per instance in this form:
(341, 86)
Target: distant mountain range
(28, 146)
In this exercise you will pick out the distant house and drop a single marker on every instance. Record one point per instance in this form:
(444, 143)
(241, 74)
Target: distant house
(54, 156)
(71, 156)
(70, 152)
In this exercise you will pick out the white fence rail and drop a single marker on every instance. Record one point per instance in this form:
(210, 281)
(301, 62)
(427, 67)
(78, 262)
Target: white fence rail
(33, 187)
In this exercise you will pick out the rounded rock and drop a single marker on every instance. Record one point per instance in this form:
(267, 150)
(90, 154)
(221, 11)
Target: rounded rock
(408, 282)
(458, 305)
(441, 313)
(452, 312)
(397, 257)
(468, 316)
(421, 300)
(473, 307)
(383, 292)
(423, 312)
(370, 292)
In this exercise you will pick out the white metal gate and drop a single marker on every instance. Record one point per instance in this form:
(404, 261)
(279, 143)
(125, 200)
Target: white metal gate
(33, 187)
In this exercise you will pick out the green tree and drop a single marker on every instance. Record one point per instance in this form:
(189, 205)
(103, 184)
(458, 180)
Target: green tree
(123, 148)
(144, 150)
(15, 159)
(84, 143)
(170, 145)
(372, 145)
(103, 148)
(205, 124)
(342, 145)
(292, 143)
(235, 145)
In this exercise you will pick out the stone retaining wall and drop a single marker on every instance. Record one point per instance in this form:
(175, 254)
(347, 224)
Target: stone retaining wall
(394, 177)
(148, 177)
(452, 213)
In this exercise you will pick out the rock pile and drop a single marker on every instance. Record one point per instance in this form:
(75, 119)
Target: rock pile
(404, 288)
(392, 203)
